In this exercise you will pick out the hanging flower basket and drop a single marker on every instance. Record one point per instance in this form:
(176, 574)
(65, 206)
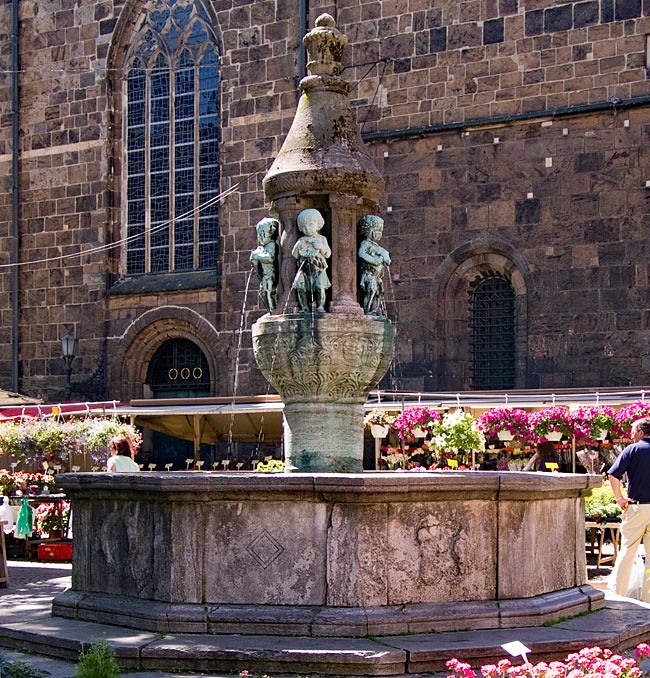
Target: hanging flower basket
(553, 436)
(379, 422)
(627, 415)
(416, 418)
(551, 423)
(379, 431)
(591, 424)
(506, 423)
(457, 432)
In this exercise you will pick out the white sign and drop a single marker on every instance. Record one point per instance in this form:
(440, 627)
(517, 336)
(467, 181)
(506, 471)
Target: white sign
(516, 649)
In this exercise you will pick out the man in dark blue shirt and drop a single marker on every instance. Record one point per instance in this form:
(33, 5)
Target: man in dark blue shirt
(634, 461)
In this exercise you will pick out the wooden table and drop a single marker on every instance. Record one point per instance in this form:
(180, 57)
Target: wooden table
(614, 529)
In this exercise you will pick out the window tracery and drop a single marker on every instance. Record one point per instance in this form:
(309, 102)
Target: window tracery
(172, 135)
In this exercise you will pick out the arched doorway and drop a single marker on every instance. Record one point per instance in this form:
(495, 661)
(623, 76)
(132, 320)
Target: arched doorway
(178, 369)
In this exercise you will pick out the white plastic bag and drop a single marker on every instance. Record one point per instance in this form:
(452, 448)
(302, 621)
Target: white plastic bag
(7, 515)
(635, 587)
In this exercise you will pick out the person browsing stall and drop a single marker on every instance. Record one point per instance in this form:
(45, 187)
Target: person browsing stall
(120, 460)
(634, 461)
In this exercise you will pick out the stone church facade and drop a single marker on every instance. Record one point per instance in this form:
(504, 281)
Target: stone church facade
(513, 136)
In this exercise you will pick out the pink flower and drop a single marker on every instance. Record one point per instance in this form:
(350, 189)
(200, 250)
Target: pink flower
(460, 669)
(629, 414)
(590, 421)
(415, 417)
(504, 665)
(509, 419)
(551, 419)
(643, 650)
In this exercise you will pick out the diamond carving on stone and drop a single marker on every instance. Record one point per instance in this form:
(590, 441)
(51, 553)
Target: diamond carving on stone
(265, 549)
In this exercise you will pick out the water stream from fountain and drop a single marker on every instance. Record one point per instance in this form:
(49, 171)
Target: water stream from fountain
(394, 370)
(242, 317)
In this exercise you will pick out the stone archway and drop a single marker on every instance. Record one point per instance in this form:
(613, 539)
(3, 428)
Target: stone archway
(133, 351)
(452, 282)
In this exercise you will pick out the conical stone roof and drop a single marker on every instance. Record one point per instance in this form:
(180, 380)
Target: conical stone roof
(323, 151)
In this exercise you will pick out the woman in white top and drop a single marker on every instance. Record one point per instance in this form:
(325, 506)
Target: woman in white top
(120, 459)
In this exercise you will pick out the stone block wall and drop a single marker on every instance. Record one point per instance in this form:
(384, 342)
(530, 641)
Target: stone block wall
(464, 106)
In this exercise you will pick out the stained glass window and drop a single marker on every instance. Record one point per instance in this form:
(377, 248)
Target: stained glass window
(172, 140)
(492, 332)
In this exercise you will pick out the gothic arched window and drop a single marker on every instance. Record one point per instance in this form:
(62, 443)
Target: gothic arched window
(492, 328)
(172, 133)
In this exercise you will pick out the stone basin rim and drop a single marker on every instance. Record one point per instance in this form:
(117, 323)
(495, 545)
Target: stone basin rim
(498, 483)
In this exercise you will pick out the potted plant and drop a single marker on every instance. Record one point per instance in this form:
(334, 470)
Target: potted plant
(506, 423)
(627, 415)
(457, 432)
(416, 422)
(551, 423)
(394, 458)
(8, 483)
(95, 434)
(591, 424)
(379, 422)
(600, 504)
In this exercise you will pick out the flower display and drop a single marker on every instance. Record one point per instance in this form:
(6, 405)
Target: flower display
(457, 431)
(52, 440)
(413, 418)
(95, 434)
(50, 518)
(590, 662)
(270, 466)
(592, 422)
(600, 503)
(551, 420)
(510, 419)
(26, 483)
(627, 415)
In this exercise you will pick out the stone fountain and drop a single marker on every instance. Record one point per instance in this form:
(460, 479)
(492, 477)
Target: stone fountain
(325, 549)
(323, 364)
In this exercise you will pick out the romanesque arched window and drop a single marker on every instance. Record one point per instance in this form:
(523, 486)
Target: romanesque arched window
(172, 131)
(179, 369)
(492, 330)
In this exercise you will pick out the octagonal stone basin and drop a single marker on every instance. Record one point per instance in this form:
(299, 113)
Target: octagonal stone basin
(327, 554)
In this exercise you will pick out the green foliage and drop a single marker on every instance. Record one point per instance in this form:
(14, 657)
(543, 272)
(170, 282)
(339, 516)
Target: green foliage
(457, 431)
(51, 439)
(98, 662)
(601, 503)
(9, 669)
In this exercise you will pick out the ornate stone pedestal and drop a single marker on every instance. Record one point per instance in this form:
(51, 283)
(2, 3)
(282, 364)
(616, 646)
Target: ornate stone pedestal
(323, 367)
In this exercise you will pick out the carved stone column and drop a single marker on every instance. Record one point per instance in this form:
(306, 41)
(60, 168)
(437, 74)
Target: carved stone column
(287, 209)
(344, 209)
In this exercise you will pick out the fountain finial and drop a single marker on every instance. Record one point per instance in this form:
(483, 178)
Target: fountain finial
(324, 45)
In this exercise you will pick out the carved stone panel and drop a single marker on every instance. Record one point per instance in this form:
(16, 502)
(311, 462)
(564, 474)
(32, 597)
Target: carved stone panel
(441, 551)
(279, 545)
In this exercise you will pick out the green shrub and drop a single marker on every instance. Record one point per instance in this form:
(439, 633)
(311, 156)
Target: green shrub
(97, 662)
(9, 669)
